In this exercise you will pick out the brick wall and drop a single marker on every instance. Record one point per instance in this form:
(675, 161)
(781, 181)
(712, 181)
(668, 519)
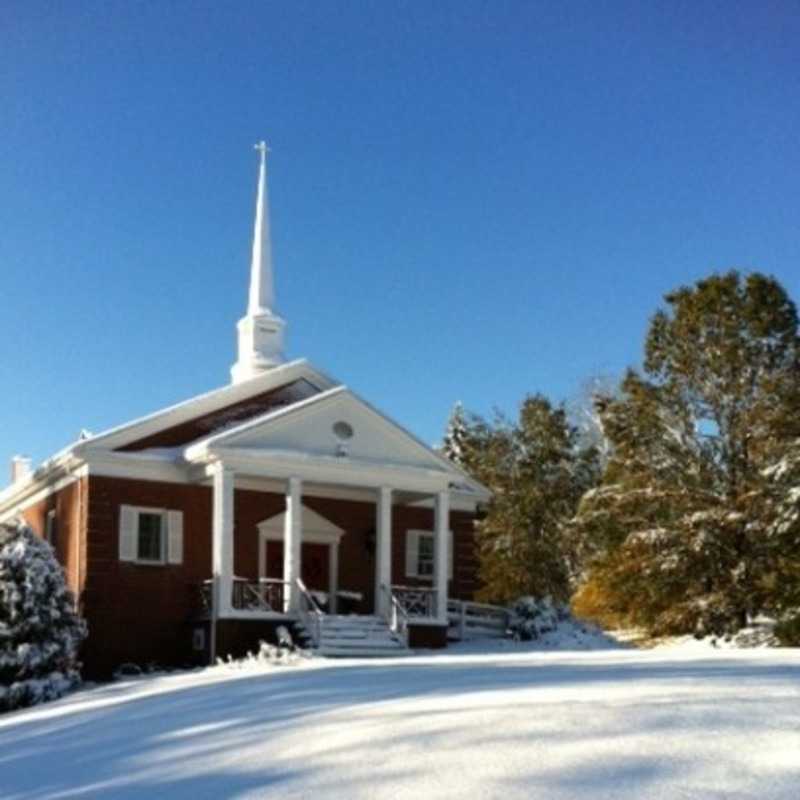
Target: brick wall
(142, 613)
(70, 513)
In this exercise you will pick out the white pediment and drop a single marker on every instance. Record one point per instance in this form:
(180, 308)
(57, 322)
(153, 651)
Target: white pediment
(336, 424)
(315, 527)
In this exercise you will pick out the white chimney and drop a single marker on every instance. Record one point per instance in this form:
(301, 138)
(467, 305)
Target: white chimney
(20, 468)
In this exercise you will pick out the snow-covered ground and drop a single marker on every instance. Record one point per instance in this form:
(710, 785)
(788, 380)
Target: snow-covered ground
(513, 721)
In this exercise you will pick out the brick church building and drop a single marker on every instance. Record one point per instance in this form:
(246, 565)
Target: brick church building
(280, 499)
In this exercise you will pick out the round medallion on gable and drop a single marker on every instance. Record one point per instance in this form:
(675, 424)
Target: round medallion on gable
(343, 430)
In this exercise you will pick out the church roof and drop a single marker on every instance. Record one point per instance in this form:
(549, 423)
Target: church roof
(207, 412)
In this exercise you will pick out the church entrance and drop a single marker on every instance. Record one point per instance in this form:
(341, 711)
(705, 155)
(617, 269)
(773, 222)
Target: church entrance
(315, 564)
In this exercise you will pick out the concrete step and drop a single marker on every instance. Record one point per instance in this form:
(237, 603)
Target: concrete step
(345, 635)
(353, 623)
(355, 634)
(345, 628)
(371, 641)
(330, 651)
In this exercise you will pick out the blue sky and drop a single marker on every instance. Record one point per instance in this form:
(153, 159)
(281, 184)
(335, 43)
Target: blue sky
(470, 201)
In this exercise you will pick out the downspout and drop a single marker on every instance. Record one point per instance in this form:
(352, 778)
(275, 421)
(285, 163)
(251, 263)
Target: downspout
(80, 538)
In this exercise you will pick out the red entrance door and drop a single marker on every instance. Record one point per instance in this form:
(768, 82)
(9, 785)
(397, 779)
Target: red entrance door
(314, 568)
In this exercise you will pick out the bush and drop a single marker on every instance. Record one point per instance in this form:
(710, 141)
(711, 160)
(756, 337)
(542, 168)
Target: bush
(40, 632)
(532, 617)
(592, 602)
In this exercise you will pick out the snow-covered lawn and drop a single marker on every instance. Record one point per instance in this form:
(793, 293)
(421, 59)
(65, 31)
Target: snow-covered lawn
(513, 723)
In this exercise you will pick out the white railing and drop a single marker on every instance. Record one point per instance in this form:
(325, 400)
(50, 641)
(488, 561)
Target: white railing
(476, 620)
(417, 601)
(396, 615)
(266, 595)
(311, 615)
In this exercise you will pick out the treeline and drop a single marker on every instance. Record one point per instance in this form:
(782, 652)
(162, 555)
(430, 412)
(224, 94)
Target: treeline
(677, 509)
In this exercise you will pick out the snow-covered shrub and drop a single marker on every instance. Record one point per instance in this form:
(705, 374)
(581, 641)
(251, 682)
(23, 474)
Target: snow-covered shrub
(40, 632)
(532, 617)
(268, 655)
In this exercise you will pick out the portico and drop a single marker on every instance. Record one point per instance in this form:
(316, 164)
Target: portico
(297, 524)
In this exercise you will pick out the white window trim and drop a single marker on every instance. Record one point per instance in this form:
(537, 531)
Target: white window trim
(162, 512)
(414, 532)
(171, 552)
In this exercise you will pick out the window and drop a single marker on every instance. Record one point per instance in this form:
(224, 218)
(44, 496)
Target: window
(425, 555)
(51, 528)
(150, 535)
(421, 555)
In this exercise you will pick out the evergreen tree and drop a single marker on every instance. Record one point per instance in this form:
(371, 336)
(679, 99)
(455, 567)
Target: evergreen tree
(40, 631)
(537, 473)
(456, 437)
(677, 534)
(781, 510)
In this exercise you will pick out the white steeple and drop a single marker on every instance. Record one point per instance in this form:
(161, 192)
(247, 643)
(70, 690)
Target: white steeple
(261, 329)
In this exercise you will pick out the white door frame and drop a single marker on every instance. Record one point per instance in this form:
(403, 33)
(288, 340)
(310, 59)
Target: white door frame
(315, 529)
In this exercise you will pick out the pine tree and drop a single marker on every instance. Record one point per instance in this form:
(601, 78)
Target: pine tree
(40, 631)
(537, 472)
(456, 435)
(677, 532)
(781, 510)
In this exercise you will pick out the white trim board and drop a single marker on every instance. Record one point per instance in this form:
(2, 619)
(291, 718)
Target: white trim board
(14, 505)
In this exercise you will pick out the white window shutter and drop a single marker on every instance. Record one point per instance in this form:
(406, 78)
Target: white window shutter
(128, 534)
(450, 554)
(412, 553)
(175, 537)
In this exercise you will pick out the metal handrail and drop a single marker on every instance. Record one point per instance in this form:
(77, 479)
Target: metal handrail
(311, 615)
(272, 591)
(397, 615)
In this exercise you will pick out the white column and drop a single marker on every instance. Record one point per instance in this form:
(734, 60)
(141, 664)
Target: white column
(222, 537)
(292, 533)
(440, 560)
(383, 549)
(333, 570)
